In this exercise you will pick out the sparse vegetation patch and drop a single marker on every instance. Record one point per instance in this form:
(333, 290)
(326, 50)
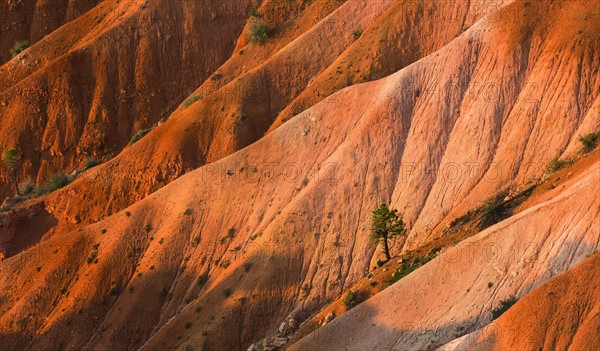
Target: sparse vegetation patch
(503, 307)
(247, 266)
(190, 100)
(139, 135)
(589, 141)
(405, 269)
(493, 212)
(259, 32)
(90, 162)
(57, 181)
(254, 12)
(556, 165)
(19, 47)
(351, 299)
(27, 188)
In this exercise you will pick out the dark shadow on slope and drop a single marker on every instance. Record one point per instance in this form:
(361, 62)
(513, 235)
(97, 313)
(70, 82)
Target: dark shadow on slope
(23, 228)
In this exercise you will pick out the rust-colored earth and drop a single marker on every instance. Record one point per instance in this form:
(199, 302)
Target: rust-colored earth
(222, 160)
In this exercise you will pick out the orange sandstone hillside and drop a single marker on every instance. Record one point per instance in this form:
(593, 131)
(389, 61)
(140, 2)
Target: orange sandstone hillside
(454, 294)
(233, 113)
(532, 323)
(248, 210)
(32, 20)
(83, 90)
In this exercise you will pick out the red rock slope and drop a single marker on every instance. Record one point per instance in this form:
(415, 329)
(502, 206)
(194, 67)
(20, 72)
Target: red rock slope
(86, 88)
(455, 293)
(220, 257)
(563, 314)
(31, 20)
(240, 101)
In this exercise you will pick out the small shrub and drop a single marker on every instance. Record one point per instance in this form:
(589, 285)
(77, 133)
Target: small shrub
(201, 279)
(90, 162)
(247, 266)
(395, 277)
(188, 212)
(230, 232)
(5, 208)
(589, 141)
(148, 228)
(57, 181)
(490, 285)
(139, 135)
(256, 235)
(114, 291)
(190, 100)
(434, 252)
(254, 12)
(405, 270)
(11, 160)
(195, 241)
(556, 165)
(188, 325)
(351, 299)
(492, 213)
(27, 188)
(226, 292)
(91, 256)
(380, 262)
(503, 307)
(19, 47)
(356, 34)
(259, 32)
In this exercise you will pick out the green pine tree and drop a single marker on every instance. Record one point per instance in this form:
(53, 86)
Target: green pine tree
(385, 225)
(11, 159)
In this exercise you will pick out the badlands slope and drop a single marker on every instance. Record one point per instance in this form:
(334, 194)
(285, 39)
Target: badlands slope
(83, 90)
(34, 19)
(271, 228)
(240, 102)
(533, 324)
(451, 296)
